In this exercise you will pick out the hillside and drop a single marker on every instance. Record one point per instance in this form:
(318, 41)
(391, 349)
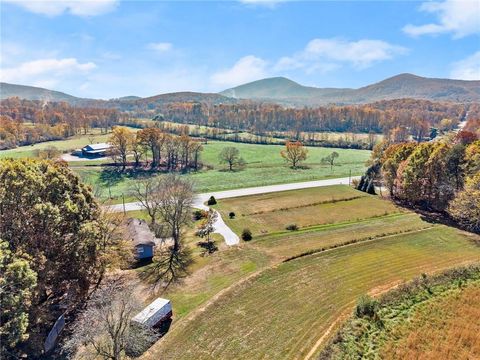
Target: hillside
(401, 86)
(34, 93)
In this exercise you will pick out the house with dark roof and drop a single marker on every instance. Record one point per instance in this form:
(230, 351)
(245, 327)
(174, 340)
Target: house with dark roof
(96, 150)
(143, 238)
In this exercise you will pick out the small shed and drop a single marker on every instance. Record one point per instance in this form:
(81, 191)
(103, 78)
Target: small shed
(143, 238)
(96, 150)
(154, 314)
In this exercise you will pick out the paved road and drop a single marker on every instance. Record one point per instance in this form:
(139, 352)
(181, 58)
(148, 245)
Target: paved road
(220, 227)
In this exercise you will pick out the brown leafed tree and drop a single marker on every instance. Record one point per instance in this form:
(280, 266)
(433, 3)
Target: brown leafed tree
(294, 153)
(121, 139)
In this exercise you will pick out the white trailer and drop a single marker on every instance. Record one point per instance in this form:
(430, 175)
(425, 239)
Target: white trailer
(154, 314)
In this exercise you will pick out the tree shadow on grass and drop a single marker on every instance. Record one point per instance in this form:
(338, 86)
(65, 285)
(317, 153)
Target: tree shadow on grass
(115, 175)
(208, 247)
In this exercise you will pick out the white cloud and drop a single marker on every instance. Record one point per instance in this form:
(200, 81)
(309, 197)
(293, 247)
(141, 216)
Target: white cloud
(467, 69)
(160, 46)
(328, 54)
(74, 7)
(248, 68)
(45, 70)
(460, 17)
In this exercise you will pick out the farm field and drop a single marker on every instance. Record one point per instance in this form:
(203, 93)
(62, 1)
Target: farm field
(268, 213)
(231, 301)
(301, 299)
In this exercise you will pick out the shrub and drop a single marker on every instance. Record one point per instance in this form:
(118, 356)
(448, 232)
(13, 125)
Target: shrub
(199, 214)
(231, 215)
(246, 235)
(212, 201)
(366, 307)
(292, 227)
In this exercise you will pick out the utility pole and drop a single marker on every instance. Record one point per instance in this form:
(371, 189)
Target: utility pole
(123, 200)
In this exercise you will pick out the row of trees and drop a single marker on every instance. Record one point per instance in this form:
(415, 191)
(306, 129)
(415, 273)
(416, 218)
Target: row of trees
(442, 175)
(160, 148)
(417, 116)
(56, 245)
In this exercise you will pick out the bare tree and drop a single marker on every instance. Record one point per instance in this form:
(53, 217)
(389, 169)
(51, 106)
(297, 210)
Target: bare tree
(206, 229)
(146, 192)
(173, 198)
(104, 329)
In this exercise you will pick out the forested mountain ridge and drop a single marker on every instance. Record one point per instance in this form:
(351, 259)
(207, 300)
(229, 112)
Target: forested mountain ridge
(400, 86)
(34, 93)
(277, 90)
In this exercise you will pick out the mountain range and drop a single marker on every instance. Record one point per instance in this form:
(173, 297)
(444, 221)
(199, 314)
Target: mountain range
(284, 91)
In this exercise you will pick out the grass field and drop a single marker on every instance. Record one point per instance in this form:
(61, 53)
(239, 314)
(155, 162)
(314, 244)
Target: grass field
(264, 167)
(285, 310)
(268, 213)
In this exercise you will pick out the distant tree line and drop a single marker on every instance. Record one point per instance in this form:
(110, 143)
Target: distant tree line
(25, 122)
(416, 116)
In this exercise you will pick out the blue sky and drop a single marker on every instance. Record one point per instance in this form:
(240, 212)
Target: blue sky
(111, 48)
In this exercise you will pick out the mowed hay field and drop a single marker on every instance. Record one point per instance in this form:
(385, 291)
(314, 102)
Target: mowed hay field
(288, 309)
(268, 213)
(284, 311)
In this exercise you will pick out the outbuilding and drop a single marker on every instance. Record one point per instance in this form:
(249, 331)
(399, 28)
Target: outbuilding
(96, 150)
(154, 314)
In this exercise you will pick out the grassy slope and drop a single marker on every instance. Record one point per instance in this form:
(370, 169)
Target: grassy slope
(282, 312)
(427, 318)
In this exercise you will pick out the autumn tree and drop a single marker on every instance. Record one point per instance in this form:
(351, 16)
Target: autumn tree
(17, 284)
(47, 214)
(121, 140)
(294, 153)
(465, 207)
(391, 159)
(231, 155)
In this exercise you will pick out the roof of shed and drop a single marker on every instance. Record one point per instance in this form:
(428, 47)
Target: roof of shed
(140, 232)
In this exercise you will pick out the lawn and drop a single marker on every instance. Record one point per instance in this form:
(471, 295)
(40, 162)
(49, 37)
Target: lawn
(284, 311)
(264, 167)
